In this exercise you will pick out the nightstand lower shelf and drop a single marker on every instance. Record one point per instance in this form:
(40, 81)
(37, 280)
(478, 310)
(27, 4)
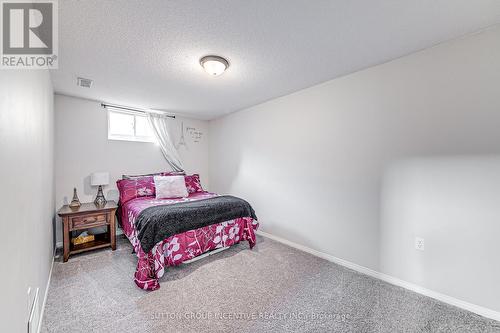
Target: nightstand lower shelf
(100, 241)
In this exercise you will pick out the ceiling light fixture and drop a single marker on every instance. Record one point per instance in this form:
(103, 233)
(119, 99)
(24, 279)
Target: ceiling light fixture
(214, 65)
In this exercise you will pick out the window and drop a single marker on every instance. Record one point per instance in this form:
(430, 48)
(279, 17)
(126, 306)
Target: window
(129, 126)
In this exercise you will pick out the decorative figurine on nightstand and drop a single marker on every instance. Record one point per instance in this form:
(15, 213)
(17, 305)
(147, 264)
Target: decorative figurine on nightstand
(75, 203)
(99, 179)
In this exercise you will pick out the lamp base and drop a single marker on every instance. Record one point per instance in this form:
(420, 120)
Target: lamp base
(100, 200)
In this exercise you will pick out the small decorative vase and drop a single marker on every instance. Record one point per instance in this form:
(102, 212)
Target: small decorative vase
(75, 203)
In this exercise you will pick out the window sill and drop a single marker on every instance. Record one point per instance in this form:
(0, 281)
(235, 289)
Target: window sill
(132, 139)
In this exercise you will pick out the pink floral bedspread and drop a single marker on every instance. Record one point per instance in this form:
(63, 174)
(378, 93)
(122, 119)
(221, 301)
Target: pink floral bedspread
(181, 247)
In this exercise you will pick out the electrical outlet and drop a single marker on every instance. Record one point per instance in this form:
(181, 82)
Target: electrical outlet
(419, 244)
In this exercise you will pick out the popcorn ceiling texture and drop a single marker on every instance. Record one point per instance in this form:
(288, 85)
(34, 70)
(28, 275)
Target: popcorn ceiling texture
(146, 53)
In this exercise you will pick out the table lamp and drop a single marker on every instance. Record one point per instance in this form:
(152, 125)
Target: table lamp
(99, 179)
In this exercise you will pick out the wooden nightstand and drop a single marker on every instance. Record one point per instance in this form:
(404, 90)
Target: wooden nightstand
(88, 215)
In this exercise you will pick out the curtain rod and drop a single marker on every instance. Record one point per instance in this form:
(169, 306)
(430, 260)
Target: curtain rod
(104, 105)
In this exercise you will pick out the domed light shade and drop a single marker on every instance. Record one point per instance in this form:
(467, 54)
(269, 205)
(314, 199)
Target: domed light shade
(214, 65)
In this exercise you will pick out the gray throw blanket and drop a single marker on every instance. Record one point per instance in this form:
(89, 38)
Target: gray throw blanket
(154, 224)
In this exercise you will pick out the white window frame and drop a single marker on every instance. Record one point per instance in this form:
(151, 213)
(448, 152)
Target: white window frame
(134, 138)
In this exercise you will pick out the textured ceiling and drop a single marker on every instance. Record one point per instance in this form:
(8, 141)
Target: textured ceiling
(145, 53)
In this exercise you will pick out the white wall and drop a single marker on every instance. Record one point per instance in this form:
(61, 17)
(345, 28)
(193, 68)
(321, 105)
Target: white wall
(82, 147)
(27, 196)
(453, 203)
(359, 166)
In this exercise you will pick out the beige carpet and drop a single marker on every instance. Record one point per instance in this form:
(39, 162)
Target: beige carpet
(272, 288)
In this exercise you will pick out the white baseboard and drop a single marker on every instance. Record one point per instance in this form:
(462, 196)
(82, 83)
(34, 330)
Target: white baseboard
(485, 312)
(42, 311)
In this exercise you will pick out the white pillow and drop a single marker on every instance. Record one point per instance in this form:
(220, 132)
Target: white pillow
(170, 187)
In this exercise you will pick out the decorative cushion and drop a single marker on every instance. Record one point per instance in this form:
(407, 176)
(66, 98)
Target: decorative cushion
(138, 187)
(193, 183)
(170, 187)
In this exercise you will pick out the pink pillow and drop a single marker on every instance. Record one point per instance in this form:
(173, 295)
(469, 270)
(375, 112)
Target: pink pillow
(132, 188)
(193, 183)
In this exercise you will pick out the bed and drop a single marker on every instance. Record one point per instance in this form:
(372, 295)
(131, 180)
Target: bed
(180, 247)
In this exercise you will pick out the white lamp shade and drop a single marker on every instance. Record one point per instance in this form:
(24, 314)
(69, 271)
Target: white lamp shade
(99, 178)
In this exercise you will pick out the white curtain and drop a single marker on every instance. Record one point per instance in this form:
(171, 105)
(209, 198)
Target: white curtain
(160, 124)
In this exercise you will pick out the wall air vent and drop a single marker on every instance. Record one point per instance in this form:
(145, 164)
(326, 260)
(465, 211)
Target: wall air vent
(85, 83)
